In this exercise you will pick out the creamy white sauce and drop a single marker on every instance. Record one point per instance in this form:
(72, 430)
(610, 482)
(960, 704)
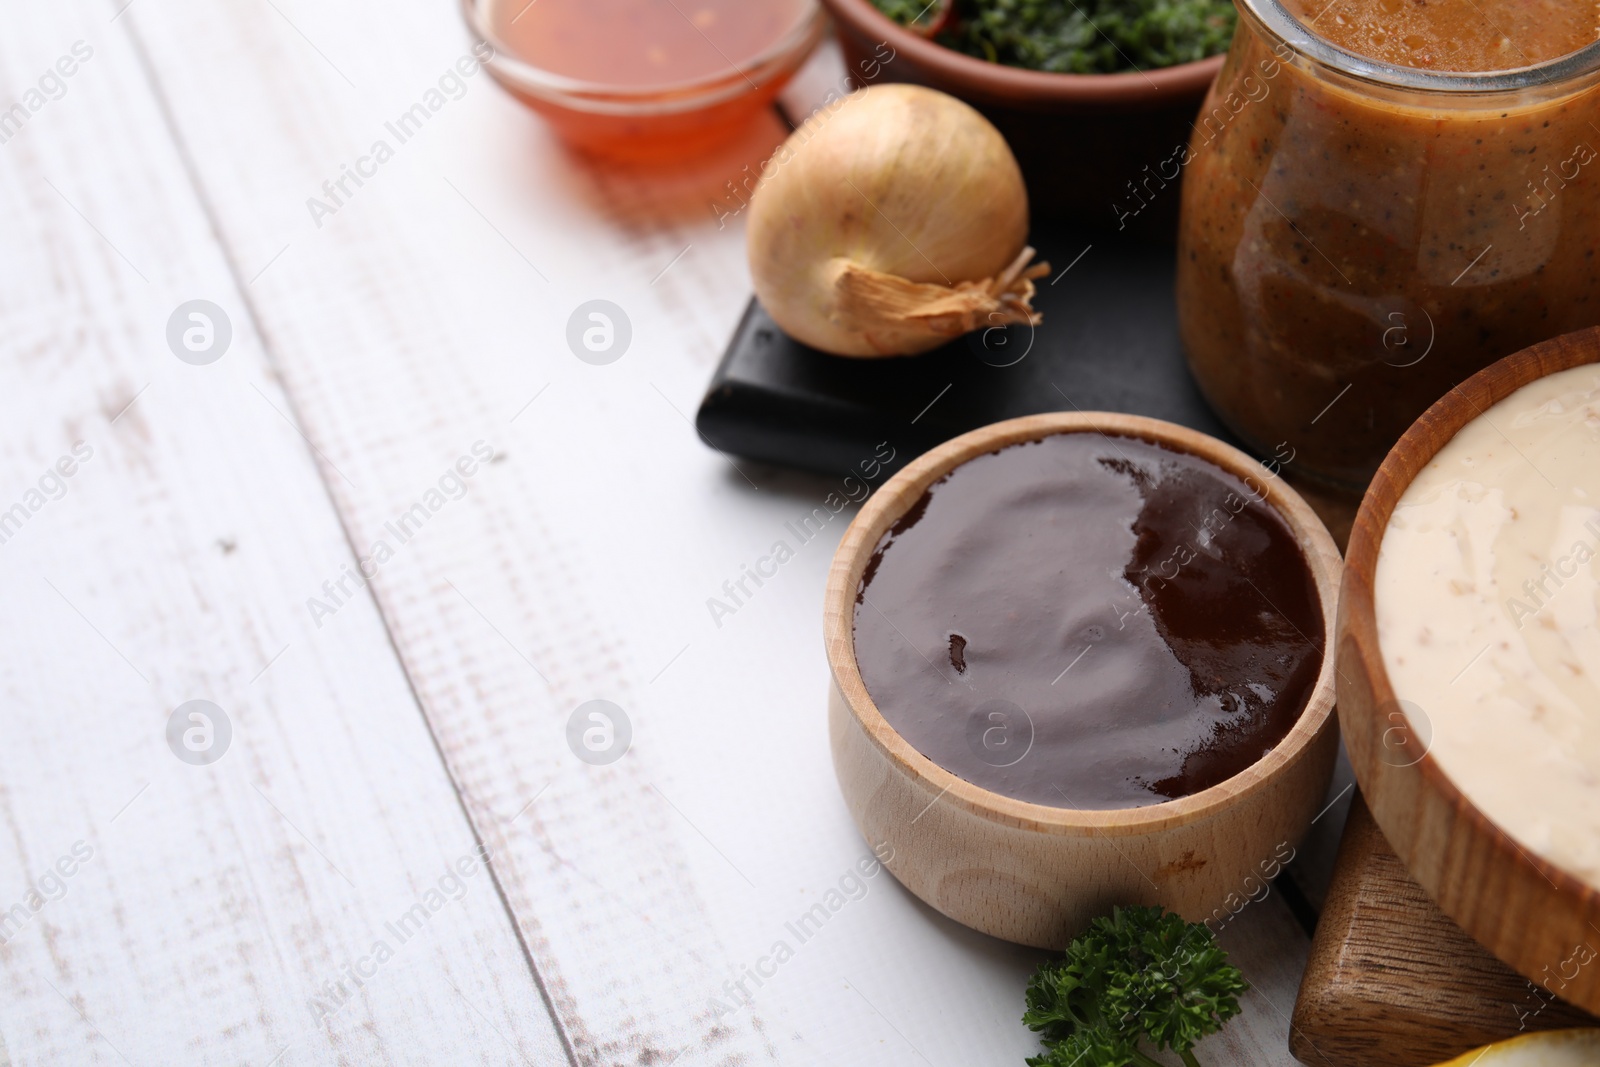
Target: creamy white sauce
(1488, 596)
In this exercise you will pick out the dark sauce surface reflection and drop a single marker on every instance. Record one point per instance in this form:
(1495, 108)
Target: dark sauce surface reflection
(1089, 621)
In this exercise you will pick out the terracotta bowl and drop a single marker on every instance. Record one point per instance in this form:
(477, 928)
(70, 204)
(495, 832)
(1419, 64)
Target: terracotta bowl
(1037, 874)
(1080, 138)
(1526, 910)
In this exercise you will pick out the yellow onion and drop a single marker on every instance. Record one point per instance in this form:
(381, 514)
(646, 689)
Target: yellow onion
(891, 222)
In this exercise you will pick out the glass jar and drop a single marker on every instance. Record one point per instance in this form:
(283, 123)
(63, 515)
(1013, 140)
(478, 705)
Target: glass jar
(1357, 238)
(619, 112)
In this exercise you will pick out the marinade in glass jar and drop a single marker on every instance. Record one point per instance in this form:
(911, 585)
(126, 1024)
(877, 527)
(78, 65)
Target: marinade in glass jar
(1361, 234)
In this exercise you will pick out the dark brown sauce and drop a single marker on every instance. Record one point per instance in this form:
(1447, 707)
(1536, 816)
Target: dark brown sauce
(1091, 622)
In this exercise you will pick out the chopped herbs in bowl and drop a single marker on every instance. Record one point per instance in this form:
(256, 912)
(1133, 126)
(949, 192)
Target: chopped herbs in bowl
(1074, 36)
(1086, 99)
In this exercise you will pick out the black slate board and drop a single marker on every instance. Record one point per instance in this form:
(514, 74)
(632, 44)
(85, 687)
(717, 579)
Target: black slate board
(1109, 342)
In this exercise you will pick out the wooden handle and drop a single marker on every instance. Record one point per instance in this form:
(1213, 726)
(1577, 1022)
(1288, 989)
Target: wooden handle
(1392, 982)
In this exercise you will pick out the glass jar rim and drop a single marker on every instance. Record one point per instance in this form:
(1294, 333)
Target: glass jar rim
(689, 94)
(1558, 73)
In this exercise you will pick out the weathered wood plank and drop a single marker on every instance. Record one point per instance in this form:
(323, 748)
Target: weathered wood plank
(431, 310)
(154, 911)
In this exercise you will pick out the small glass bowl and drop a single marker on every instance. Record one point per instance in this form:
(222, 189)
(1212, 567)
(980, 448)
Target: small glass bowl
(650, 123)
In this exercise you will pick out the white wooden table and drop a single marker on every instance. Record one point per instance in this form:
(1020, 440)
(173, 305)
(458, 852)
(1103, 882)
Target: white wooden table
(299, 899)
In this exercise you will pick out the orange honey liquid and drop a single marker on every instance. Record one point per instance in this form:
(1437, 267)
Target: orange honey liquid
(659, 48)
(642, 42)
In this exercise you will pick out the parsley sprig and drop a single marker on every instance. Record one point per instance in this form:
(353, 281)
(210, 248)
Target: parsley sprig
(1139, 975)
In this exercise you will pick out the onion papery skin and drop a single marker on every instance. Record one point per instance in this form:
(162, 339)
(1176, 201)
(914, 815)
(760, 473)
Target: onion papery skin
(887, 224)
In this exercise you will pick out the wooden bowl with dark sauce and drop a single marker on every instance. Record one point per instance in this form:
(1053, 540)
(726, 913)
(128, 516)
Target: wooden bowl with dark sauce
(1032, 872)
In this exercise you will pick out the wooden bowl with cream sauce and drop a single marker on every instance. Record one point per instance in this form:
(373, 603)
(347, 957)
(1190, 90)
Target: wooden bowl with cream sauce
(1451, 767)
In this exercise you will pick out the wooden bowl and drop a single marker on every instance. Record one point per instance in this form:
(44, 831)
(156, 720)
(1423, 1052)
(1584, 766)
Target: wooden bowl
(1525, 910)
(1036, 874)
(1079, 138)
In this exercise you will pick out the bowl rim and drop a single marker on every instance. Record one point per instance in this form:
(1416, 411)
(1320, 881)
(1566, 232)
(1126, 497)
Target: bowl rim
(980, 76)
(1358, 624)
(892, 499)
(787, 52)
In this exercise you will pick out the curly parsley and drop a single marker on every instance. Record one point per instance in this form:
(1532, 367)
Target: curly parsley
(1139, 975)
(1080, 36)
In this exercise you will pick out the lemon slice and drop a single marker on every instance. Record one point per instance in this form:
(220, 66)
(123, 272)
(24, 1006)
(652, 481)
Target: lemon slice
(1553, 1048)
